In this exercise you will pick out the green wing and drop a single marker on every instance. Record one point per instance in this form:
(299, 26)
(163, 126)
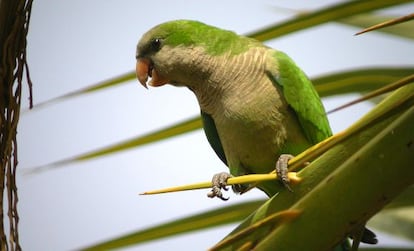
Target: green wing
(302, 97)
(212, 136)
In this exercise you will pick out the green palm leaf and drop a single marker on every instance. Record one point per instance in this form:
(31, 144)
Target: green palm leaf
(121, 79)
(322, 16)
(368, 19)
(168, 132)
(212, 218)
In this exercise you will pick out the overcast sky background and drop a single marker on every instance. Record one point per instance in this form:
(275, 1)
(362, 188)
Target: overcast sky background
(73, 44)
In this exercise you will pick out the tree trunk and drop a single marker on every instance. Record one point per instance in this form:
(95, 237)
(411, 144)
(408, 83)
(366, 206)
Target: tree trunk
(14, 23)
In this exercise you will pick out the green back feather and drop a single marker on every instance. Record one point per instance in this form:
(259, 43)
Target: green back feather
(302, 97)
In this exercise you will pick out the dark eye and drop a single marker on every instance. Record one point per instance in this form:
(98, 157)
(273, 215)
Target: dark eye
(156, 44)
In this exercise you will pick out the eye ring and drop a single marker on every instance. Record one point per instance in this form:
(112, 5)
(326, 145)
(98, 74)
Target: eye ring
(156, 44)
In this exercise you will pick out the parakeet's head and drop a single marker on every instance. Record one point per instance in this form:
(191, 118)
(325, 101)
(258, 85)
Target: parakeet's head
(175, 52)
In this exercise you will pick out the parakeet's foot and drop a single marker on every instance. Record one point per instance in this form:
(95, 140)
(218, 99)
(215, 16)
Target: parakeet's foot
(282, 169)
(218, 182)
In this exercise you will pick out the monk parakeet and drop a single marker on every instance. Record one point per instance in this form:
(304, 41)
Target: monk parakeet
(258, 108)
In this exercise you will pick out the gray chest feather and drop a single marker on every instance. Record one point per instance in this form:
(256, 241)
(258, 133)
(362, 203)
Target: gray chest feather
(252, 129)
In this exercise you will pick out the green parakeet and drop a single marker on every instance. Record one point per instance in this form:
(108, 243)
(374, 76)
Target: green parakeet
(256, 104)
(258, 107)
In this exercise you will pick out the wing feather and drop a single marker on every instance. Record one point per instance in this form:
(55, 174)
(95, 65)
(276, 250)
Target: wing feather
(212, 136)
(301, 96)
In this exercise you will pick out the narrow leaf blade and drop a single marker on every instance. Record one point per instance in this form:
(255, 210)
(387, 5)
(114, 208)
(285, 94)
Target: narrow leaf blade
(322, 16)
(117, 80)
(213, 218)
(172, 131)
(388, 23)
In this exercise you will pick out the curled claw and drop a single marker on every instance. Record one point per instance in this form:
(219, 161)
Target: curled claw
(219, 182)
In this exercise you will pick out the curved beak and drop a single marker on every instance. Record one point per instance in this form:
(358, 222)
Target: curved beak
(144, 69)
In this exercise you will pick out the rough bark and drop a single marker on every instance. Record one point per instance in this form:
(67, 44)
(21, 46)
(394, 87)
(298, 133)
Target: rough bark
(14, 23)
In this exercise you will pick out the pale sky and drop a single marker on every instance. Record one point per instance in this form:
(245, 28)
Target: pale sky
(73, 44)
